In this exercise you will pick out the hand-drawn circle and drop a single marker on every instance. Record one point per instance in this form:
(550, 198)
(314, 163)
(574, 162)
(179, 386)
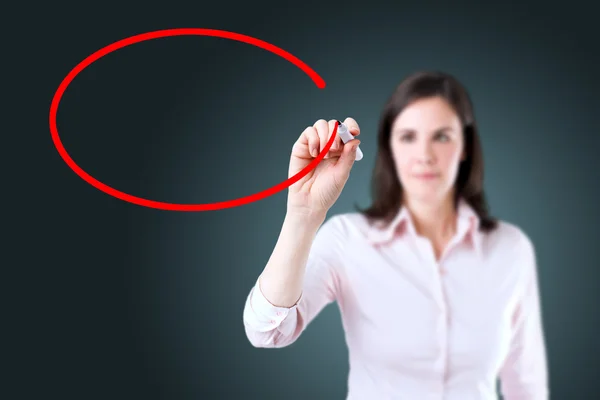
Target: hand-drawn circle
(181, 32)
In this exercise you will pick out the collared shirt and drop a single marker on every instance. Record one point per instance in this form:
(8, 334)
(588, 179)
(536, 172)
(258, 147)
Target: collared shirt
(418, 328)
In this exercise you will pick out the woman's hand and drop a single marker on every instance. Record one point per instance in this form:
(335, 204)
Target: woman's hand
(318, 190)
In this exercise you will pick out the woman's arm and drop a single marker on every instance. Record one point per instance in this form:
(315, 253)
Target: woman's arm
(524, 375)
(281, 280)
(297, 282)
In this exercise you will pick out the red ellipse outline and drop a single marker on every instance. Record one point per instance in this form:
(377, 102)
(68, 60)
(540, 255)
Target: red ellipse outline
(181, 32)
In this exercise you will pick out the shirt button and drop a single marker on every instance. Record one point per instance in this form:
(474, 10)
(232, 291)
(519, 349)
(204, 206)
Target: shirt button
(443, 271)
(279, 313)
(273, 322)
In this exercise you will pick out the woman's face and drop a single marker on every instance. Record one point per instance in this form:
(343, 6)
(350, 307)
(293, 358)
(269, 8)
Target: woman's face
(427, 146)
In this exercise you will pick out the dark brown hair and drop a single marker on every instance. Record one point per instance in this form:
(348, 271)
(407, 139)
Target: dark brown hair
(385, 185)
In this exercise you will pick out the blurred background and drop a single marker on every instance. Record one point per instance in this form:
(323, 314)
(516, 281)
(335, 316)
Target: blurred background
(127, 302)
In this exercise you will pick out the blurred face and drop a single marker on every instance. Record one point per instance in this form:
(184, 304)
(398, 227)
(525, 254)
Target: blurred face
(427, 146)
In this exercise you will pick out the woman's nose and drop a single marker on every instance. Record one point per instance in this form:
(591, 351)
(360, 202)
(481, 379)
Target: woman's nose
(425, 154)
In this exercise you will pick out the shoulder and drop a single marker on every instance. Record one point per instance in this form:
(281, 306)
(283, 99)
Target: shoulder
(511, 244)
(508, 235)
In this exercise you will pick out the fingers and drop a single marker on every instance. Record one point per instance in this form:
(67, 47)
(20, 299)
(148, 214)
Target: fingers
(336, 147)
(314, 142)
(347, 158)
(352, 126)
(322, 128)
(314, 138)
(325, 130)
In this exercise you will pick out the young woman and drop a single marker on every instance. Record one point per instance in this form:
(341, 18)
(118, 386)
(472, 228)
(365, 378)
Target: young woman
(438, 299)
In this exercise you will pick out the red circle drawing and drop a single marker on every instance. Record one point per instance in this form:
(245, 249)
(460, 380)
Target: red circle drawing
(170, 206)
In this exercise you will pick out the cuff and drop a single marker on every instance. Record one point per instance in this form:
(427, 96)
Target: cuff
(269, 314)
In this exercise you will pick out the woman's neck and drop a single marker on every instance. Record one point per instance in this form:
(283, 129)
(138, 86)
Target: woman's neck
(436, 221)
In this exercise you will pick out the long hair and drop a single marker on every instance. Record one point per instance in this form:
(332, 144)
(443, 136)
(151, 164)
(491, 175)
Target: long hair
(386, 187)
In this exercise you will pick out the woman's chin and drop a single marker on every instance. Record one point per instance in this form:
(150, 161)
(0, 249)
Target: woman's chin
(427, 195)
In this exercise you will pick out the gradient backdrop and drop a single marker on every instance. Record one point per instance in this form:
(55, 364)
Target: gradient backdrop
(139, 303)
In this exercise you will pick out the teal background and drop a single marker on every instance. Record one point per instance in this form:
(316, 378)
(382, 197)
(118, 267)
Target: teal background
(128, 302)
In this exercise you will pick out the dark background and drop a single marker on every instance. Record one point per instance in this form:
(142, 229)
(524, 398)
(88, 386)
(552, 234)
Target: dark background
(120, 301)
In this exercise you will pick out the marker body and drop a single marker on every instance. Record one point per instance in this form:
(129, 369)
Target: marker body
(346, 137)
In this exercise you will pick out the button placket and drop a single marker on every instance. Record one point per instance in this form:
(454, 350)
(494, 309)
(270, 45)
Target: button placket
(427, 248)
(441, 272)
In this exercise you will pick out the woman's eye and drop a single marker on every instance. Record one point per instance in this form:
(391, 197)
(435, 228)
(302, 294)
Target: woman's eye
(406, 137)
(442, 137)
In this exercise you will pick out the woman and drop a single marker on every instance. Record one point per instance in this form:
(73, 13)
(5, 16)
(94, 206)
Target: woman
(438, 299)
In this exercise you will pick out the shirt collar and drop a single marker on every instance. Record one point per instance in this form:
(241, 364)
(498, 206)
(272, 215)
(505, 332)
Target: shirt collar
(467, 226)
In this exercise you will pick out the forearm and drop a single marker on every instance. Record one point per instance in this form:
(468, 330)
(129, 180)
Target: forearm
(282, 279)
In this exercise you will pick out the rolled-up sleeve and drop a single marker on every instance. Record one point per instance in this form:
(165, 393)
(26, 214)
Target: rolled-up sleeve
(268, 325)
(524, 375)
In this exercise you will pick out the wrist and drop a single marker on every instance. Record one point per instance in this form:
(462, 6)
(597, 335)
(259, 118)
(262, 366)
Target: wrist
(306, 216)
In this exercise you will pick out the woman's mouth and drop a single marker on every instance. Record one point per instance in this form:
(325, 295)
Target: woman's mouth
(427, 176)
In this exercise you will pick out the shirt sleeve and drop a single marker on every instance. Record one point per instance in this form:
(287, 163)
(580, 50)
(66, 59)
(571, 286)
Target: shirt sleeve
(267, 325)
(524, 375)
